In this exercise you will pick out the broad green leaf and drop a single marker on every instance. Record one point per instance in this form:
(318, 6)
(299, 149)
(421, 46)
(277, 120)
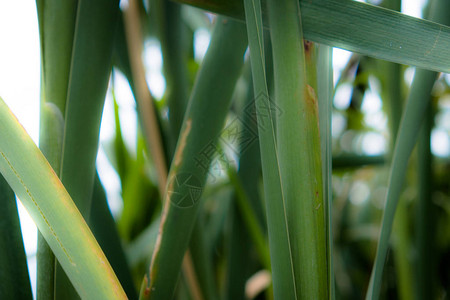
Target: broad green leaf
(14, 278)
(205, 115)
(363, 28)
(43, 195)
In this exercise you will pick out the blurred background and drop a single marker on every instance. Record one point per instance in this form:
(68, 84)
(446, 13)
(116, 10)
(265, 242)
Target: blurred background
(363, 128)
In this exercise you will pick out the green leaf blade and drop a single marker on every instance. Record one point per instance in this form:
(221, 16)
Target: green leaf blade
(279, 242)
(43, 195)
(363, 28)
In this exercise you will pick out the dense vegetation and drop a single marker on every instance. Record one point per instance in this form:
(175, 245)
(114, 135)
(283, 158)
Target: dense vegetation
(255, 175)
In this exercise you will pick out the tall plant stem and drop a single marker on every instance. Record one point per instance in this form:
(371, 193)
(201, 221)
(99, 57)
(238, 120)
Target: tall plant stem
(143, 97)
(149, 119)
(204, 118)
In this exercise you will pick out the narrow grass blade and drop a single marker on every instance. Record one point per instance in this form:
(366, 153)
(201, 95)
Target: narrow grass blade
(14, 278)
(279, 240)
(363, 28)
(34, 182)
(203, 121)
(413, 114)
(409, 128)
(104, 229)
(325, 99)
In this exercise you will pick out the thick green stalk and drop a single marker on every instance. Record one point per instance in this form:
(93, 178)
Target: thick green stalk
(89, 76)
(56, 26)
(413, 114)
(284, 283)
(299, 151)
(56, 216)
(362, 28)
(14, 278)
(203, 121)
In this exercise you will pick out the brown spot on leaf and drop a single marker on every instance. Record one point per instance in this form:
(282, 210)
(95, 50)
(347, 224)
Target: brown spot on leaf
(182, 144)
(307, 45)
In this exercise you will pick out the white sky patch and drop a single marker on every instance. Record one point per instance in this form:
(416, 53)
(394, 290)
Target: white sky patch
(409, 75)
(20, 62)
(443, 119)
(371, 102)
(20, 88)
(153, 68)
(202, 37)
(440, 142)
(127, 111)
(338, 124)
(359, 192)
(111, 182)
(447, 78)
(376, 120)
(340, 60)
(342, 96)
(413, 8)
(373, 143)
